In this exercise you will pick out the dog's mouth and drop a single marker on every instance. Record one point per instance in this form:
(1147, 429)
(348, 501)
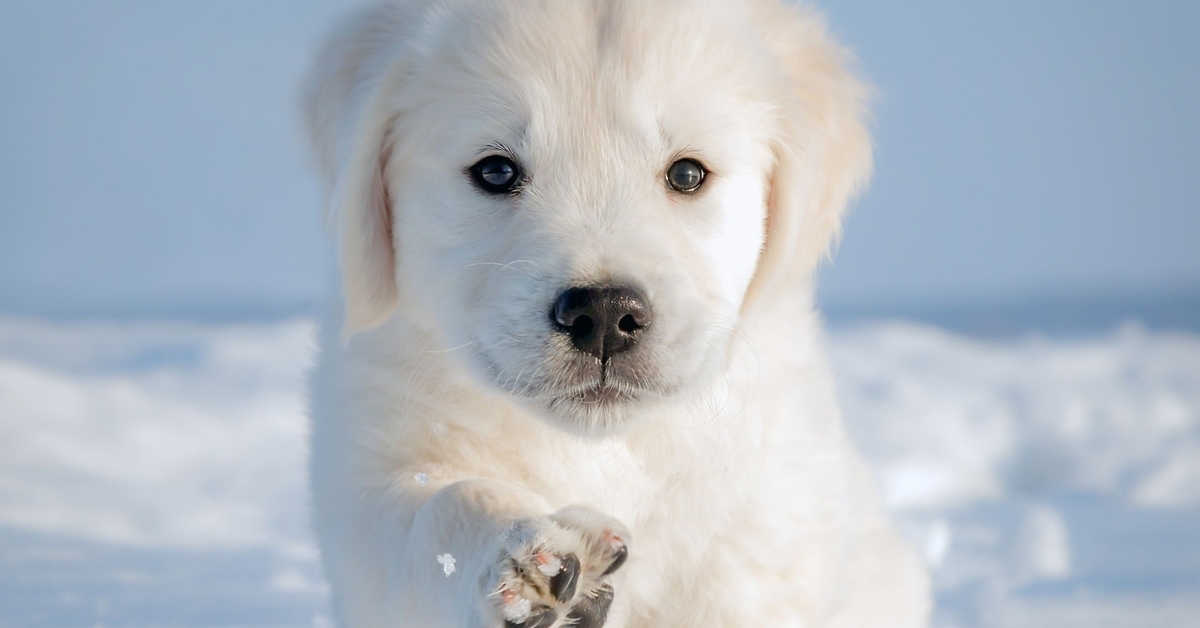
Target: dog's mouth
(596, 389)
(579, 389)
(597, 404)
(600, 394)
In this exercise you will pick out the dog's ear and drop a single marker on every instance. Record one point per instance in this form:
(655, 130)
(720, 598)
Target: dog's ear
(351, 121)
(822, 152)
(361, 211)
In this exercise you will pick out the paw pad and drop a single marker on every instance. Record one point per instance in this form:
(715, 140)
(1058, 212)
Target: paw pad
(564, 583)
(592, 611)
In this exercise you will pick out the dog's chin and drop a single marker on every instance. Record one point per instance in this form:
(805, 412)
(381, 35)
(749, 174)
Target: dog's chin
(596, 410)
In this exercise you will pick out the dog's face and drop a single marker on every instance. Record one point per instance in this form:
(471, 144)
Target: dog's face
(577, 195)
(582, 216)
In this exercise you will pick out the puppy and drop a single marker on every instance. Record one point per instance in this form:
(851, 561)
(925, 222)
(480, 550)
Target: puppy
(578, 378)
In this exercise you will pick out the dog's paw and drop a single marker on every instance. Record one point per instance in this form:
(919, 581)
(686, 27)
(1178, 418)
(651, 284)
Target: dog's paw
(553, 571)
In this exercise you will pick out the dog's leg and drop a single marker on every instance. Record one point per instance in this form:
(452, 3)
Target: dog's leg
(516, 563)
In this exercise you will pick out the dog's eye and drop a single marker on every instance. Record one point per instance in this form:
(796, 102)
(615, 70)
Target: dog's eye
(496, 174)
(686, 175)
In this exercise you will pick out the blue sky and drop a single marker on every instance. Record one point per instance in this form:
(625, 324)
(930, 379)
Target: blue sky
(152, 165)
(1025, 149)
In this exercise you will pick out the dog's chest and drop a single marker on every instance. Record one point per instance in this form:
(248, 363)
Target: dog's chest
(707, 546)
(701, 511)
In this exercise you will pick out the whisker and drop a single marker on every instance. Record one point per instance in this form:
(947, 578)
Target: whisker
(465, 344)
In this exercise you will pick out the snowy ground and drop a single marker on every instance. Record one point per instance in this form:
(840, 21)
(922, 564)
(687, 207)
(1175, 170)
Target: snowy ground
(152, 474)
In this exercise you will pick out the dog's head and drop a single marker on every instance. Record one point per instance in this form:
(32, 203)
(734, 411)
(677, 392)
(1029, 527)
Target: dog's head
(582, 199)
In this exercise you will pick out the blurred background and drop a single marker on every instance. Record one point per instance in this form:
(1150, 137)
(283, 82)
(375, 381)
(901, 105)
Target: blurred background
(1014, 311)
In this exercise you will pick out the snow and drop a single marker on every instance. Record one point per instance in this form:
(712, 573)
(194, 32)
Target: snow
(153, 473)
(447, 562)
(1049, 481)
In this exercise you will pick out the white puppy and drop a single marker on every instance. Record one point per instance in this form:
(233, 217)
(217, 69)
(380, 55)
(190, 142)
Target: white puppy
(577, 242)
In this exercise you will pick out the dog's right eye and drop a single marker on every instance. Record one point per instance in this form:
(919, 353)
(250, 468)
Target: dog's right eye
(496, 174)
(686, 175)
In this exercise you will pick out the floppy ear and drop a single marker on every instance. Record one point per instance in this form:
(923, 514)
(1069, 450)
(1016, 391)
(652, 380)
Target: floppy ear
(822, 152)
(350, 119)
(362, 214)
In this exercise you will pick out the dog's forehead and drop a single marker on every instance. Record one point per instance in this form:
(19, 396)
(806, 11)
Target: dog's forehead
(633, 74)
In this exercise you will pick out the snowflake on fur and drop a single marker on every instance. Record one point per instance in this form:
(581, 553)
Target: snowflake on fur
(447, 561)
(422, 478)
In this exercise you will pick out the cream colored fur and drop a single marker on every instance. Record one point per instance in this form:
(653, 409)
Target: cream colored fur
(729, 473)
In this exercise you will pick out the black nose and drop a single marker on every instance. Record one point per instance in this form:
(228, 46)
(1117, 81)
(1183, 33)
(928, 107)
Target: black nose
(602, 321)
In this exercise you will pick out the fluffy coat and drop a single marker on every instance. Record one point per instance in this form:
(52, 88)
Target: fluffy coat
(447, 410)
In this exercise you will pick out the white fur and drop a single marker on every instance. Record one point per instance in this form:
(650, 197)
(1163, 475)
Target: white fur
(728, 464)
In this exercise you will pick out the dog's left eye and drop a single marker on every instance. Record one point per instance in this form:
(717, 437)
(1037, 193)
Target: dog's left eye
(496, 174)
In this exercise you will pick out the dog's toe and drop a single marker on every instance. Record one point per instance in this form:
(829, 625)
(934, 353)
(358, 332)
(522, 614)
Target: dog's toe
(592, 611)
(538, 618)
(564, 583)
(607, 539)
(617, 552)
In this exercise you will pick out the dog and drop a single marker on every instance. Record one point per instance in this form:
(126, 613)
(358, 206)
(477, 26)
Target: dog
(576, 378)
